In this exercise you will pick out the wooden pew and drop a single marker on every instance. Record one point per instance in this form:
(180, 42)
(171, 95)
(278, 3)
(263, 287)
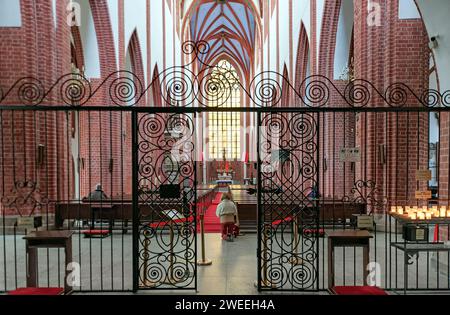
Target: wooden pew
(332, 211)
(121, 209)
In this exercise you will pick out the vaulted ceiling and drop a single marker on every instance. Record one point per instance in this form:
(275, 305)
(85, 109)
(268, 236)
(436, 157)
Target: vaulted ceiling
(229, 27)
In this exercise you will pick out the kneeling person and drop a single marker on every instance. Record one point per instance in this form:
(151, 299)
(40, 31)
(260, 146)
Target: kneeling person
(227, 212)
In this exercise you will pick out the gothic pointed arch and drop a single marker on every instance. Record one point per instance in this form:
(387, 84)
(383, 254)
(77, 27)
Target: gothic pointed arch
(134, 58)
(76, 45)
(334, 13)
(302, 69)
(105, 37)
(285, 88)
(156, 88)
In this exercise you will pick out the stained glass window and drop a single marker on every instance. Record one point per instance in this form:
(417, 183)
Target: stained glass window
(225, 128)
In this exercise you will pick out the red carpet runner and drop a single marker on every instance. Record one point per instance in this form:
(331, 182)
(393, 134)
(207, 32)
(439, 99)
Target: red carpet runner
(212, 222)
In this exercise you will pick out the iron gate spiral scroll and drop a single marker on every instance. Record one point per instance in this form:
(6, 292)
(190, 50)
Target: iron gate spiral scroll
(166, 201)
(288, 209)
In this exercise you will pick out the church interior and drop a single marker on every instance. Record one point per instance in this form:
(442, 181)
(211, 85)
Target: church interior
(224, 147)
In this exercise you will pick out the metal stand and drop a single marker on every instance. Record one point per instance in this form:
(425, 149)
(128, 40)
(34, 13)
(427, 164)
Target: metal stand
(265, 283)
(147, 283)
(171, 280)
(295, 259)
(204, 261)
(46, 240)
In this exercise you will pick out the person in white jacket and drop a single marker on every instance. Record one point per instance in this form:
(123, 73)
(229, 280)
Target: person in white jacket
(227, 212)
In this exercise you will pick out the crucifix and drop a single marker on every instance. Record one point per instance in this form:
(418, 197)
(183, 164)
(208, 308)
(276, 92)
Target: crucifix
(224, 156)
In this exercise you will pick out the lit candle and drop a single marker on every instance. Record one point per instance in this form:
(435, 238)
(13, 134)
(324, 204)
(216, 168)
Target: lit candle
(443, 212)
(428, 216)
(393, 209)
(424, 209)
(421, 216)
(413, 216)
(448, 214)
(400, 211)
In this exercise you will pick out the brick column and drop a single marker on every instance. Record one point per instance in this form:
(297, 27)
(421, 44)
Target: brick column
(396, 51)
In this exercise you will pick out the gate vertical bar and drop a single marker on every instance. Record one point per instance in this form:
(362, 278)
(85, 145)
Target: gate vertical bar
(195, 204)
(135, 200)
(259, 192)
(317, 205)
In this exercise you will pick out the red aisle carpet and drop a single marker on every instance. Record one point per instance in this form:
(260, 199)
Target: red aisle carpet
(38, 291)
(212, 222)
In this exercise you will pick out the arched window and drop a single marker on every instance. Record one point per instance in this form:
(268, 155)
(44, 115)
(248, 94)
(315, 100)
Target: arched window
(10, 15)
(224, 129)
(344, 41)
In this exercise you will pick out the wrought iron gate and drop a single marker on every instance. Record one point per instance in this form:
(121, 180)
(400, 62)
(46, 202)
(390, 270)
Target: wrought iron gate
(287, 206)
(52, 157)
(165, 236)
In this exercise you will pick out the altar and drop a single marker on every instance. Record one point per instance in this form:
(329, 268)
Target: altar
(225, 178)
(225, 174)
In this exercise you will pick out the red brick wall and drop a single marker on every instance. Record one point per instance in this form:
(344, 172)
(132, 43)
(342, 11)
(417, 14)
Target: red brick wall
(78, 47)
(23, 132)
(302, 61)
(137, 66)
(101, 138)
(444, 187)
(394, 52)
(37, 50)
(337, 130)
